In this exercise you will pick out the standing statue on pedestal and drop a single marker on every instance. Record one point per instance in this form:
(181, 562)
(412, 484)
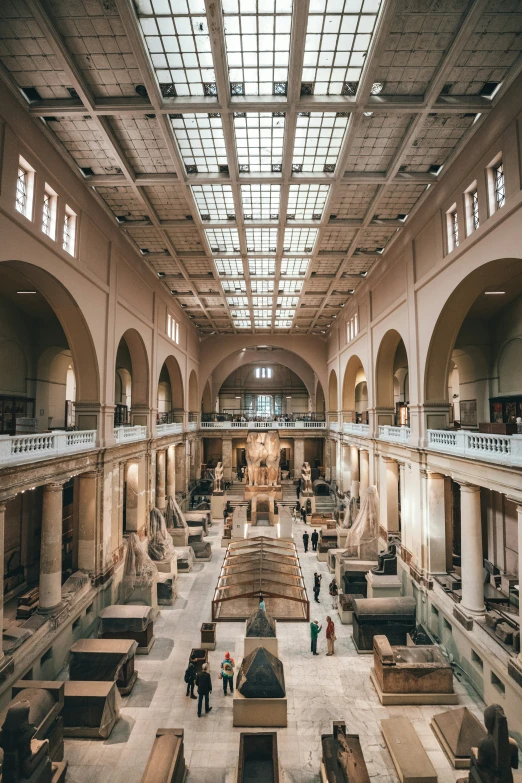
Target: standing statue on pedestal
(306, 478)
(218, 478)
(263, 447)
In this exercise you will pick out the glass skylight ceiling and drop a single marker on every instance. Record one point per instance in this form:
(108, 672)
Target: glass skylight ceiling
(290, 286)
(259, 141)
(294, 267)
(283, 324)
(263, 313)
(318, 139)
(262, 301)
(243, 324)
(257, 37)
(306, 202)
(229, 267)
(201, 142)
(261, 286)
(214, 202)
(261, 240)
(223, 240)
(263, 267)
(262, 324)
(300, 240)
(260, 202)
(176, 34)
(338, 37)
(234, 286)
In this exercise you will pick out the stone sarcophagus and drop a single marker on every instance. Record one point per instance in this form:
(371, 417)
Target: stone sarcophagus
(45, 711)
(411, 675)
(391, 617)
(105, 659)
(342, 760)
(166, 762)
(90, 709)
(129, 622)
(258, 758)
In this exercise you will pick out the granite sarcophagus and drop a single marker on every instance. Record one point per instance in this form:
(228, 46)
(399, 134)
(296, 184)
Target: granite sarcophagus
(391, 617)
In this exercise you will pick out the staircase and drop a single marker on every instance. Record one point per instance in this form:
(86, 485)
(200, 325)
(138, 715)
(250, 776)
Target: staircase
(324, 504)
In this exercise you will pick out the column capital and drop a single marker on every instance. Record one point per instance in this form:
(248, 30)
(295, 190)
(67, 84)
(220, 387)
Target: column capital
(90, 474)
(432, 474)
(390, 459)
(465, 487)
(54, 486)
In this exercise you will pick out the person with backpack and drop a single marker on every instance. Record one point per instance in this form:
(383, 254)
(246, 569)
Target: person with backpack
(227, 673)
(190, 679)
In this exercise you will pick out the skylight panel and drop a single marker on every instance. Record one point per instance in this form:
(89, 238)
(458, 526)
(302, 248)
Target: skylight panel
(240, 313)
(262, 323)
(306, 202)
(223, 240)
(263, 314)
(243, 324)
(283, 324)
(214, 202)
(300, 240)
(318, 140)
(262, 286)
(201, 142)
(229, 267)
(290, 286)
(176, 34)
(257, 38)
(234, 286)
(237, 301)
(336, 45)
(262, 267)
(259, 141)
(285, 313)
(260, 202)
(294, 267)
(262, 301)
(288, 301)
(261, 240)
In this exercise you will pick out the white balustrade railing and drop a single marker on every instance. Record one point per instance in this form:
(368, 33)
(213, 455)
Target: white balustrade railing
(504, 449)
(192, 425)
(350, 428)
(334, 426)
(44, 445)
(127, 434)
(174, 428)
(262, 425)
(394, 434)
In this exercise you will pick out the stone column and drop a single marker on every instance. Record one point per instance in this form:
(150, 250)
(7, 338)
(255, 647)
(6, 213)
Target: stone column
(389, 494)
(436, 519)
(471, 551)
(2, 532)
(171, 471)
(354, 469)
(132, 496)
(346, 477)
(160, 479)
(298, 457)
(519, 516)
(364, 470)
(51, 549)
(87, 508)
(406, 532)
(226, 458)
(180, 467)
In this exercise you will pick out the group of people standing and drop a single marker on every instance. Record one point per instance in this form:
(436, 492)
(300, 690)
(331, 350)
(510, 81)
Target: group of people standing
(314, 538)
(203, 681)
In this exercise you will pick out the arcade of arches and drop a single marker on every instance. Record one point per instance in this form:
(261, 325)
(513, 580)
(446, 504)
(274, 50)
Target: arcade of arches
(123, 381)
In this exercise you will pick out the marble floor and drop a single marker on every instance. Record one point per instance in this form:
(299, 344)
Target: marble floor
(319, 689)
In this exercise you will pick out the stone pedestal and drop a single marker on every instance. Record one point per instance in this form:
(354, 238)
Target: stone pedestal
(285, 526)
(169, 566)
(274, 492)
(259, 712)
(342, 535)
(217, 505)
(145, 595)
(179, 535)
(383, 586)
(270, 643)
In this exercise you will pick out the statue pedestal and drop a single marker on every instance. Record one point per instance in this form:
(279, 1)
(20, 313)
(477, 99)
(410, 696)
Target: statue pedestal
(259, 712)
(342, 535)
(179, 535)
(217, 505)
(274, 492)
(270, 643)
(383, 586)
(169, 566)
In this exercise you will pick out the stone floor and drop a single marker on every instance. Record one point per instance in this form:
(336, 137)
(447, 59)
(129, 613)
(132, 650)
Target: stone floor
(319, 691)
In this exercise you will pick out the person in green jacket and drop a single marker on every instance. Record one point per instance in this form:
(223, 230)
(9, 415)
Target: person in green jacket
(315, 630)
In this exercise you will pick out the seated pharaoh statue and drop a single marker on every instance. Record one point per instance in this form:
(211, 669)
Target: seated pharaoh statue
(386, 562)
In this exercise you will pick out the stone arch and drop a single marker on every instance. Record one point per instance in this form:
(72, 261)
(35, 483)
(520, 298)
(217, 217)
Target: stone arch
(73, 323)
(353, 375)
(333, 394)
(384, 369)
(176, 382)
(206, 399)
(494, 274)
(193, 393)
(320, 403)
(139, 367)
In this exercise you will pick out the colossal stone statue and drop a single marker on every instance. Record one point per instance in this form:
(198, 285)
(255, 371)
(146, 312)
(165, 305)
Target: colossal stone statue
(263, 447)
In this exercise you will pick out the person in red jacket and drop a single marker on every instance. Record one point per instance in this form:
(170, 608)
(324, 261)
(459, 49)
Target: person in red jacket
(330, 635)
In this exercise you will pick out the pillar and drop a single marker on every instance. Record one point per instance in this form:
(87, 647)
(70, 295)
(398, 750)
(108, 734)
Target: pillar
(389, 494)
(226, 458)
(51, 548)
(132, 496)
(298, 457)
(354, 469)
(519, 516)
(471, 550)
(436, 524)
(87, 508)
(346, 476)
(406, 531)
(180, 467)
(160, 479)
(2, 532)
(364, 470)
(171, 471)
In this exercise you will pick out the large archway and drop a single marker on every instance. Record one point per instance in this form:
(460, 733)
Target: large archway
(131, 389)
(391, 380)
(333, 395)
(355, 391)
(193, 393)
(472, 372)
(170, 402)
(206, 400)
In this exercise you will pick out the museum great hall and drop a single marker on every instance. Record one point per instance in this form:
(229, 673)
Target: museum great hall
(260, 275)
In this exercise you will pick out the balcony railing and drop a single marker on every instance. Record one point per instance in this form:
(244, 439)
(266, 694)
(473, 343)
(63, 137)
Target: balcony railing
(45, 445)
(350, 428)
(127, 434)
(173, 428)
(502, 449)
(394, 434)
(262, 425)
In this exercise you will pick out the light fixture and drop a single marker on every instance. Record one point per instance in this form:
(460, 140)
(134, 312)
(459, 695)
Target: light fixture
(377, 87)
(289, 397)
(494, 293)
(26, 292)
(238, 398)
